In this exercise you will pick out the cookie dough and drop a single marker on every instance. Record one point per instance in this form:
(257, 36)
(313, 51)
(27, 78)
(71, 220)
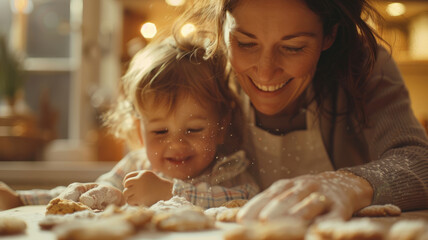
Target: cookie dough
(64, 206)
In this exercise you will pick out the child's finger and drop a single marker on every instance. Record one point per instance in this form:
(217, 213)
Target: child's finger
(130, 175)
(127, 193)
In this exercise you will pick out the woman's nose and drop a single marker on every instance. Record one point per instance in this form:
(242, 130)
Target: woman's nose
(267, 66)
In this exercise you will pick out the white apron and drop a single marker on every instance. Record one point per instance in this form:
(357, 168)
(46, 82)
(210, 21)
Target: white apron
(277, 157)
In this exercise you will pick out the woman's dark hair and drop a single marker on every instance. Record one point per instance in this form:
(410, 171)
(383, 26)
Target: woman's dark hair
(347, 64)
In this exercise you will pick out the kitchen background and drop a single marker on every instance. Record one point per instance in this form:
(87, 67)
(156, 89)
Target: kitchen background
(65, 58)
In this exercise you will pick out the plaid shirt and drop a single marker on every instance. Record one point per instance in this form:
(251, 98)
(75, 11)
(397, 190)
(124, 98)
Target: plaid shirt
(227, 180)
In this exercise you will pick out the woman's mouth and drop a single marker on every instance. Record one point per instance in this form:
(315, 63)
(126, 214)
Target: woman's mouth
(271, 88)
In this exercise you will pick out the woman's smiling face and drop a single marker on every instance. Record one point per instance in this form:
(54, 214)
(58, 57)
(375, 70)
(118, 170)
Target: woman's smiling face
(274, 47)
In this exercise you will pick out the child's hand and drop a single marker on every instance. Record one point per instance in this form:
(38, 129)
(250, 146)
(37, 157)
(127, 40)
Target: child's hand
(8, 197)
(145, 188)
(94, 195)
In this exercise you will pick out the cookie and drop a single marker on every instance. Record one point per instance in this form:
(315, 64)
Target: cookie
(386, 210)
(64, 206)
(12, 225)
(112, 228)
(235, 203)
(138, 217)
(213, 212)
(359, 229)
(171, 204)
(182, 219)
(228, 215)
(281, 229)
(53, 220)
(408, 230)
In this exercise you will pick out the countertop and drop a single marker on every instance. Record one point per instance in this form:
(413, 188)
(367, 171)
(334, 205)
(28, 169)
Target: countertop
(33, 214)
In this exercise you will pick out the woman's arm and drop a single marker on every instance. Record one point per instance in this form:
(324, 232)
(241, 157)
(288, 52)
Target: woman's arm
(397, 142)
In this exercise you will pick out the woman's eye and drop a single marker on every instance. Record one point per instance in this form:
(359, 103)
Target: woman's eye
(160, 132)
(246, 45)
(194, 130)
(292, 49)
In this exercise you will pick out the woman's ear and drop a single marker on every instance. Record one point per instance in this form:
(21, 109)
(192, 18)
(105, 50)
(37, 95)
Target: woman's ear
(329, 38)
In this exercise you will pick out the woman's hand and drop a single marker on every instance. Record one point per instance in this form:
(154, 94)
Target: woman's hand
(145, 188)
(8, 198)
(328, 195)
(94, 195)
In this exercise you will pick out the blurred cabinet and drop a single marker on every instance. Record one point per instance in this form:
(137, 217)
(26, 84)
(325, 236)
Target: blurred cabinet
(407, 34)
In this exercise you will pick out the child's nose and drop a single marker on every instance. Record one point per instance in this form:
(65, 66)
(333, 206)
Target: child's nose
(178, 141)
(178, 144)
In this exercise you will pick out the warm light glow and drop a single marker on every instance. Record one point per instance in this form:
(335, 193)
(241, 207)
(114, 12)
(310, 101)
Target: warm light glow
(175, 3)
(396, 9)
(21, 6)
(187, 29)
(148, 30)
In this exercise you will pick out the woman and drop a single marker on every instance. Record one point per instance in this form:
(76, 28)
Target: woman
(329, 120)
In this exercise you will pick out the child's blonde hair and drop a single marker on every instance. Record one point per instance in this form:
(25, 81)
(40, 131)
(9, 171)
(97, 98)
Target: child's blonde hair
(162, 72)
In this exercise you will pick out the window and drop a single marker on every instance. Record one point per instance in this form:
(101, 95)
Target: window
(71, 63)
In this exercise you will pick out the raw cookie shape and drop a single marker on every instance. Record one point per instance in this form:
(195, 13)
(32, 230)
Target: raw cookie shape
(112, 228)
(174, 203)
(52, 220)
(138, 217)
(228, 215)
(387, 210)
(12, 225)
(280, 229)
(182, 219)
(357, 229)
(416, 229)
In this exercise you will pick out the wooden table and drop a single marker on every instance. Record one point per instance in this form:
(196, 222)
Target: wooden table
(33, 214)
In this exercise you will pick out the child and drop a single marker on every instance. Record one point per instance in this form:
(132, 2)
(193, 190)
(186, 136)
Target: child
(189, 121)
(186, 111)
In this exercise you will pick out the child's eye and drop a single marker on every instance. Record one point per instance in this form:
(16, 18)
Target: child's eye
(246, 45)
(160, 132)
(194, 130)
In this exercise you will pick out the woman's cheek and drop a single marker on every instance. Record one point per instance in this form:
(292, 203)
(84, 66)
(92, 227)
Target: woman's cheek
(240, 59)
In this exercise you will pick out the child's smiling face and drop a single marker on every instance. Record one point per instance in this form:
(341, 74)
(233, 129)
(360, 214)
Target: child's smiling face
(181, 143)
